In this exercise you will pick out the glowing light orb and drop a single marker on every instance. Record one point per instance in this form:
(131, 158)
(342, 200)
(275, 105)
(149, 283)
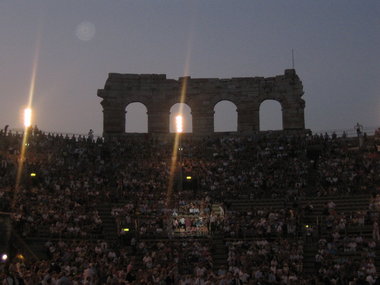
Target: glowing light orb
(85, 31)
(27, 117)
(4, 257)
(179, 124)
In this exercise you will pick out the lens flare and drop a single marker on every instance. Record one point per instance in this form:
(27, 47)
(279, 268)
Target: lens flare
(183, 81)
(27, 117)
(85, 31)
(179, 123)
(174, 161)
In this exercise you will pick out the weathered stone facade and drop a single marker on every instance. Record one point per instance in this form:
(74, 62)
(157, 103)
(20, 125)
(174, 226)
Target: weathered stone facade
(159, 94)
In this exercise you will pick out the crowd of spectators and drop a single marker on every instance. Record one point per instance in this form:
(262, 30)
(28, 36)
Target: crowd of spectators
(262, 223)
(277, 261)
(74, 176)
(343, 256)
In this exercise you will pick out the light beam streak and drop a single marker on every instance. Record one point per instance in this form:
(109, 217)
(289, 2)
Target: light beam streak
(24, 143)
(174, 159)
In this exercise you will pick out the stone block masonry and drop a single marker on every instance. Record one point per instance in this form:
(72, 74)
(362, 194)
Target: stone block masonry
(159, 94)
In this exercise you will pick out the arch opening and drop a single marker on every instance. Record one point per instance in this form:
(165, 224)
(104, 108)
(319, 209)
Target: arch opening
(225, 117)
(136, 118)
(271, 115)
(183, 110)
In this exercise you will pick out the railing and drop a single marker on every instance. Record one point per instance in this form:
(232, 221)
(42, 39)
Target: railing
(53, 133)
(351, 132)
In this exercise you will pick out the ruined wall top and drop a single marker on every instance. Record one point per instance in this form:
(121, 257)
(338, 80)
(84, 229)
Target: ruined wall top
(159, 93)
(126, 83)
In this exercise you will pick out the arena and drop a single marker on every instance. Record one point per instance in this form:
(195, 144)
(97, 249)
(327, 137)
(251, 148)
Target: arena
(280, 208)
(183, 142)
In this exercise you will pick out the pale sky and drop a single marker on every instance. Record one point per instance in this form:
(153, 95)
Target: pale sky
(72, 45)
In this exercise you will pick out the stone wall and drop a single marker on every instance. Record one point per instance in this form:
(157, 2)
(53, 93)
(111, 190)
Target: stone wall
(159, 94)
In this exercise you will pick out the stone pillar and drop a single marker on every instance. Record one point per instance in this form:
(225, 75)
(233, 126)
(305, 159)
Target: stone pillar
(113, 119)
(203, 122)
(248, 120)
(158, 121)
(293, 118)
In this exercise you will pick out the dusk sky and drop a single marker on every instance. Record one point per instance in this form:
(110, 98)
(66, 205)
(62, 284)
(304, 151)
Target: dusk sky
(72, 45)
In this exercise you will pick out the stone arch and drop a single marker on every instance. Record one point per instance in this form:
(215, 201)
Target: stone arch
(136, 118)
(225, 116)
(158, 93)
(271, 117)
(184, 110)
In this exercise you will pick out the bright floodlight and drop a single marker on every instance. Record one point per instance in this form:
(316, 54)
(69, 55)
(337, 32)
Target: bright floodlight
(178, 123)
(27, 117)
(4, 257)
